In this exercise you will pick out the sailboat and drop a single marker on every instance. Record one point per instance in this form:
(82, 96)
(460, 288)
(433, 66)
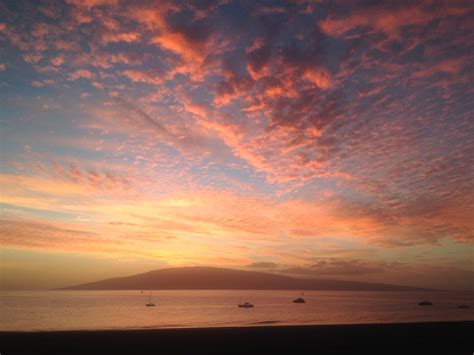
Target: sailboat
(425, 302)
(300, 299)
(150, 303)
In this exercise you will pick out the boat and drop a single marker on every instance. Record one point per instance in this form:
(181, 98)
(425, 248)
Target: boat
(299, 300)
(425, 303)
(246, 305)
(150, 303)
(464, 306)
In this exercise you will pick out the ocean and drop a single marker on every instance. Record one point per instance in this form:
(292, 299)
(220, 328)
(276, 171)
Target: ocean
(93, 310)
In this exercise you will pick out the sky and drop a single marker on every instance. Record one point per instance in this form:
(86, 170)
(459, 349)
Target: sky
(326, 139)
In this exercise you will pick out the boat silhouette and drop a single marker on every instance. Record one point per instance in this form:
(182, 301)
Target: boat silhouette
(246, 305)
(150, 303)
(425, 303)
(299, 300)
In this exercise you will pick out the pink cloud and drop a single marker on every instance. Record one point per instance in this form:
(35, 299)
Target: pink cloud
(58, 60)
(142, 76)
(449, 66)
(81, 73)
(390, 20)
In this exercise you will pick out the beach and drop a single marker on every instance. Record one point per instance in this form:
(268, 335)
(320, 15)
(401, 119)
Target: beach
(432, 337)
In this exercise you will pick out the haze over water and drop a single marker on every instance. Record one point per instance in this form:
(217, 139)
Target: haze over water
(87, 310)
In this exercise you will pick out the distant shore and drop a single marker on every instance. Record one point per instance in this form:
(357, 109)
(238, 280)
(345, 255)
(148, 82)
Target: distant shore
(216, 278)
(435, 337)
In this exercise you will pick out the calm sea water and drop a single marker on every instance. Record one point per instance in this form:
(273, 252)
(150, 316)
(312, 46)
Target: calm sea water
(67, 310)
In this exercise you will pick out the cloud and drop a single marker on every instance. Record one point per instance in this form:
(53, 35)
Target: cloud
(81, 73)
(190, 40)
(449, 66)
(182, 137)
(416, 275)
(30, 234)
(389, 19)
(92, 3)
(120, 37)
(142, 77)
(320, 78)
(213, 212)
(259, 56)
(276, 129)
(263, 265)
(332, 266)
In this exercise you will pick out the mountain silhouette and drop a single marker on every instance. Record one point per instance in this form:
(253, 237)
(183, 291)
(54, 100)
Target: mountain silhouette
(212, 278)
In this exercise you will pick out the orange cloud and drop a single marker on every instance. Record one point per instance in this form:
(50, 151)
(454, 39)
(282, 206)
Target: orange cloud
(92, 3)
(320, 78)
(120, 37)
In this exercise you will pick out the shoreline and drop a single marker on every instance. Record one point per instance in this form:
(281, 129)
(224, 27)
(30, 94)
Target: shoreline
(447, 337)
(262, 324)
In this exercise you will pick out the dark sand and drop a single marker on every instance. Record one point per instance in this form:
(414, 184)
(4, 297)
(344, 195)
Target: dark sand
(405, 338)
